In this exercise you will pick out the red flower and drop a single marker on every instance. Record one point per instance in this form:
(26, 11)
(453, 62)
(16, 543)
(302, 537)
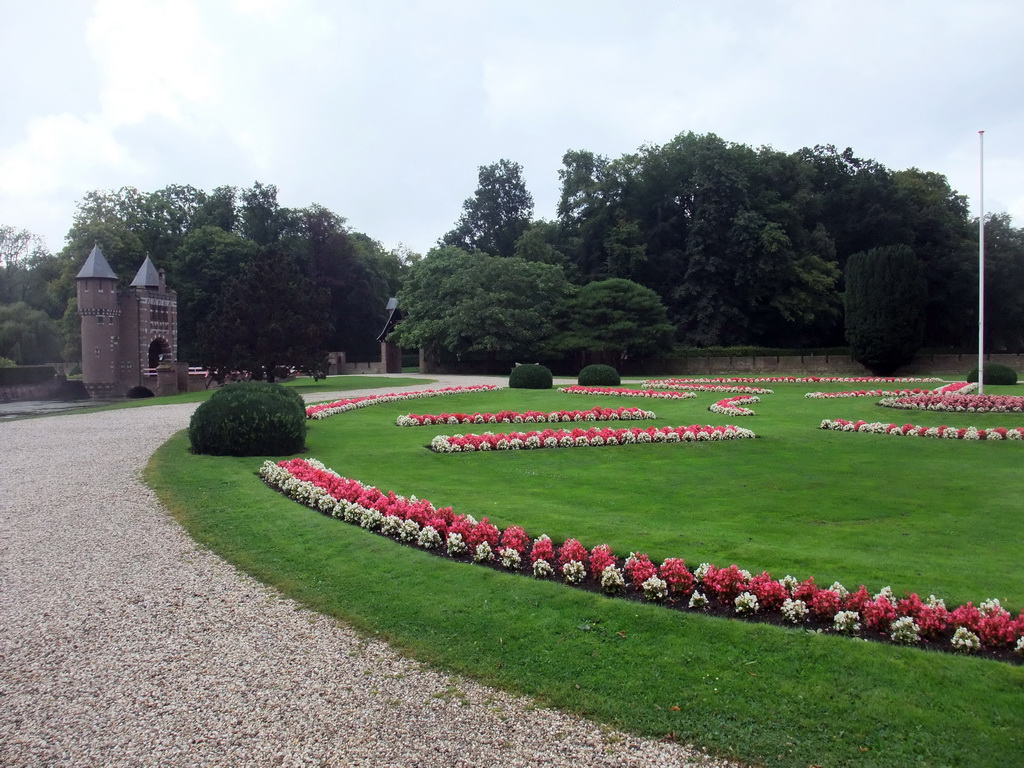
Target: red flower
(639, 568)
(678, 577)
(825, 604)
(601, 557)
(879, 613)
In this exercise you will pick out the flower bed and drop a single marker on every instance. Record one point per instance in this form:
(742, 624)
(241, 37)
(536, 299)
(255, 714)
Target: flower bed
(323, 410)
(526, 417)
(694, 385)
(624, 392)
(578, 438)
(958, 403)
(867, 393)
(955, 387)
(731, 591)
(733, 406)
(790, 380)
(949, 433)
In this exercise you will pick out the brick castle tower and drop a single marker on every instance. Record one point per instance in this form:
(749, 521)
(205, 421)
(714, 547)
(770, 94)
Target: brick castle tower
(126, 335)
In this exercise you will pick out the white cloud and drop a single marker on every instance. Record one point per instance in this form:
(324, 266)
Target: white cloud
(60, 153)
(383, 111)
(154, 58)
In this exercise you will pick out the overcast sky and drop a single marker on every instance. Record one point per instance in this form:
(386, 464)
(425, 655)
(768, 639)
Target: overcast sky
(383, 110)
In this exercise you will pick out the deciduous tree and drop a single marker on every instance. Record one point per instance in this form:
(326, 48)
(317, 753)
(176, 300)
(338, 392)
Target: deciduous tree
(498, 213)
(458, 303)
(268, 317)
(616, 319)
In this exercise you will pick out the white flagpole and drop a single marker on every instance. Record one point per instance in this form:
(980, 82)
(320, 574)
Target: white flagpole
(981, 262)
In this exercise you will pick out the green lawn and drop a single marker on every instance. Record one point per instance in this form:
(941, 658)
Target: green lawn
(931, 516)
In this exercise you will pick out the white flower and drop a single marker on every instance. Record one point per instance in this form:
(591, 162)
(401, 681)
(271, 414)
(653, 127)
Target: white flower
(847, 622)
(965, 641)
(372, 519)
(612, 580)
(542, 569)
(410, 530)
(391, 526)
(456, 544)
(655, 589)
(886, 592)
(988, 607)
(429, 538)
(747, 603)
(839, 589)
(574, 572)
(701, 571)
(698, 601)
(789, 582)
(483, 553)
(904, 631)
(510, 558)
(795, 611)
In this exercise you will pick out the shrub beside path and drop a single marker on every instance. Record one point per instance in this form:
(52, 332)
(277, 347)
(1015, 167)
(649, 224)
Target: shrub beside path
(123, 643)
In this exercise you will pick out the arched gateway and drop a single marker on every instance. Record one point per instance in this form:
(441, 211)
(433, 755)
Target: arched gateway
(126, 334)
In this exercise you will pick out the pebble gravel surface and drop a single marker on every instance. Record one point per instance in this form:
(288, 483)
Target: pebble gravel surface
(123, 643)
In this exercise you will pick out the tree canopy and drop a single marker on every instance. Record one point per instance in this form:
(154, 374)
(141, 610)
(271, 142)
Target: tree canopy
(268, 317)
(457, 303)
(744, 246)
(617, 319)
(498, 213)
(28, 336)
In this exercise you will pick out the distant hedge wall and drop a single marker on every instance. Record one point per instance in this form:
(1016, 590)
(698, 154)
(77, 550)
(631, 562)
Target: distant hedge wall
(26, 375)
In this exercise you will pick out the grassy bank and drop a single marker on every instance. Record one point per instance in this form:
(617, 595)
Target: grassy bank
(931, 516)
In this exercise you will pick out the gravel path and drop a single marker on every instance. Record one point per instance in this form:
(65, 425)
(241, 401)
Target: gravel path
(122, 643)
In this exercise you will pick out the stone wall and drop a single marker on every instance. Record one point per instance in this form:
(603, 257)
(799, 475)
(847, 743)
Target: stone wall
(953, 366)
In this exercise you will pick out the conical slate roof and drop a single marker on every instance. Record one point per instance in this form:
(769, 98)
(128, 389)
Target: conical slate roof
(96, 266)
(147, 276)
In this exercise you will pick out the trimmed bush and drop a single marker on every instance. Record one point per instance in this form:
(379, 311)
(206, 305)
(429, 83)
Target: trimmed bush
(885, 307)
(530, 376)
(995, 374)
(599, 376)
(250, 418)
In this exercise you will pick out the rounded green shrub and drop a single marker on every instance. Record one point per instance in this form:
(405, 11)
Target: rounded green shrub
(530, 376)
(598, 375)
(250, 418)
(995, 374)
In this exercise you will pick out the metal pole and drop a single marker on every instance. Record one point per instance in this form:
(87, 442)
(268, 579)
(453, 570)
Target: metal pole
(981, 262)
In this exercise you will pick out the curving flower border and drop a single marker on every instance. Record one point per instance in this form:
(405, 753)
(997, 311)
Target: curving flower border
(576, 389)
(955, 387)
(957, 403)
(911, 430)
(867, 393)
(630, 413)
(689, 385)
(733, 406)
(324, 410)
(581, 438)
(791, 380)
(730, 590)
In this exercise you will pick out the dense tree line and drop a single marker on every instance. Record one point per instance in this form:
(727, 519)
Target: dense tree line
(697, 242)
(204, 240)
(749, 246)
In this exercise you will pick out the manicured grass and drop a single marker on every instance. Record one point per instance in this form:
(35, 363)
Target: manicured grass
(932, 516)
